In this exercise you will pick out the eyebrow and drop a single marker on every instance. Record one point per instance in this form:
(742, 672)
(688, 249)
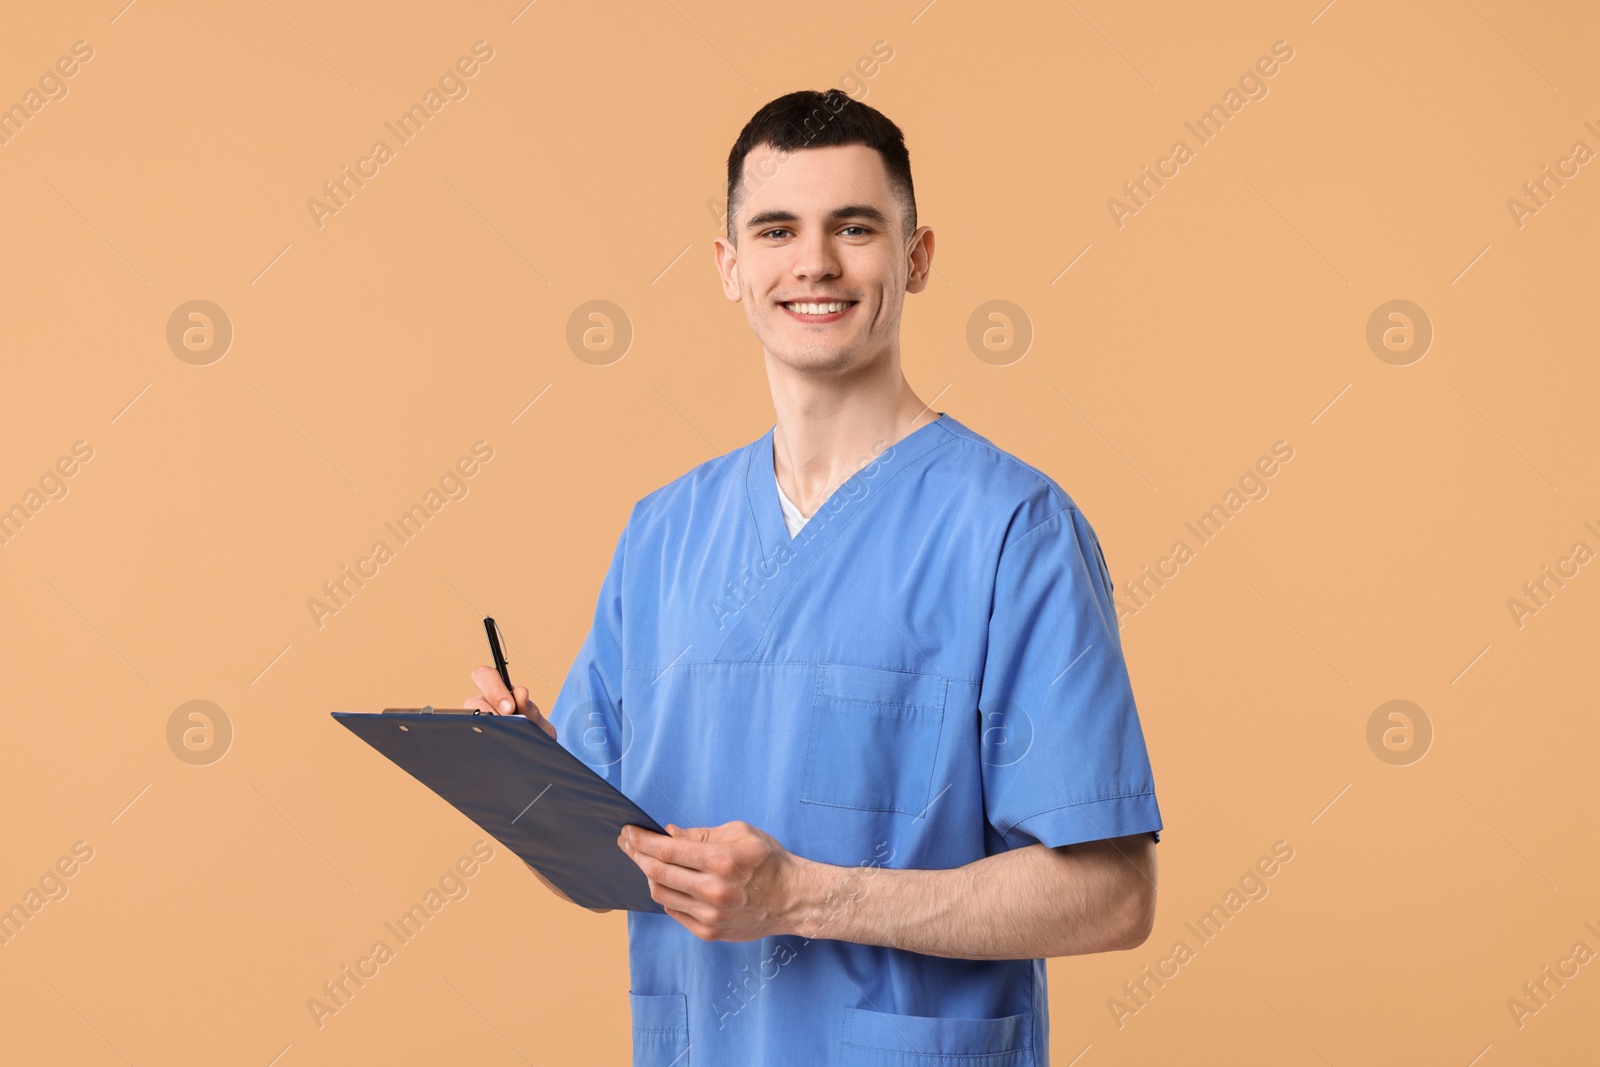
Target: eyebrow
(838, 214)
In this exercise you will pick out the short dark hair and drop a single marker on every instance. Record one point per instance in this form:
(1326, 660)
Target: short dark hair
(809, 119)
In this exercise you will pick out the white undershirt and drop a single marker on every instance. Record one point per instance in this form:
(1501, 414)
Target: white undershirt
(791, 514)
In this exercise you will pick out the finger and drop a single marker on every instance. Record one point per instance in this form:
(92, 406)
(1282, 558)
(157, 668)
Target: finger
(674, 900)
(547, 883)
(528, 709)
(557, 890)
(689, 846)
(679, 901)
(487, 679)
(699, 929)
(525, 706)
(478, 704)
(636, 839)
(678, 851)
(692, 884)
(686, 880)
(531, 711)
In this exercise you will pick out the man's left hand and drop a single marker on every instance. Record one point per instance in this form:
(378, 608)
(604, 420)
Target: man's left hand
(723, 883)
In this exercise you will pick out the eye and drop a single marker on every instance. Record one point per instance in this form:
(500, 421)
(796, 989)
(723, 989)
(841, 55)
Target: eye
(770, 232)
(863, 229)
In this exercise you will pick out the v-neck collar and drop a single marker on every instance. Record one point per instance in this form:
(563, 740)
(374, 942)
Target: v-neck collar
(791, 510)
(761, 482)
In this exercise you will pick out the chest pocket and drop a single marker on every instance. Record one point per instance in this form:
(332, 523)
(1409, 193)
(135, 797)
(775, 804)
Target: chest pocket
(874, 739)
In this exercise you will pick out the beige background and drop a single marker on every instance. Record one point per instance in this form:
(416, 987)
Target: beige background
(586, 163)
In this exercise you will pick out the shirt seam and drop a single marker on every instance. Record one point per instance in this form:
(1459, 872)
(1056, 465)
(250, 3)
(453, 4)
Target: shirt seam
(1078, 804)
(1068, 509)
(1049, 483)
(811, 664)
(942, 1056)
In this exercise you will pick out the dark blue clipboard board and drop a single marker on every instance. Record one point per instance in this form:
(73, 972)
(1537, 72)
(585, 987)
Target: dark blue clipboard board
(525, 790)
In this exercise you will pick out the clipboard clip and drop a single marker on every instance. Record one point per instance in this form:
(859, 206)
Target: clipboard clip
(428, 709)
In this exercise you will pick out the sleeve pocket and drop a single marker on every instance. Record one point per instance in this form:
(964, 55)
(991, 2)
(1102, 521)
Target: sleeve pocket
(660, 1030)
(874, 739)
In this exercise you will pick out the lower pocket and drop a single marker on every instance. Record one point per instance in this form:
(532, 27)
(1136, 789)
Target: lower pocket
(875, 1039)
(660, 1030)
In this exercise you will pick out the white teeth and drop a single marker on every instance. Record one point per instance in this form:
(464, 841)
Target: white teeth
(818, 309)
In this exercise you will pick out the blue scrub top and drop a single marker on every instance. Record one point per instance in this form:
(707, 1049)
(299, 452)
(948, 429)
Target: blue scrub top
(928, 673)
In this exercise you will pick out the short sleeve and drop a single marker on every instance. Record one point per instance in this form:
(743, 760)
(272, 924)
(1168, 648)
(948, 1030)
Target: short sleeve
(587, 713)
(1064, 757)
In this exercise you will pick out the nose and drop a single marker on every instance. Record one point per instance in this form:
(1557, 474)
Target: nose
(814, 258)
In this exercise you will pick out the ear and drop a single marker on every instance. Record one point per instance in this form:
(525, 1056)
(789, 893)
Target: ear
(919, 250)
(727, 260)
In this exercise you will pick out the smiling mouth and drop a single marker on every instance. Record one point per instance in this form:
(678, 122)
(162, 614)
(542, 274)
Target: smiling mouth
(818, 311)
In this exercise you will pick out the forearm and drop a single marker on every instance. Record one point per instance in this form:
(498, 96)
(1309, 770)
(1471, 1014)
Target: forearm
(1023, 904)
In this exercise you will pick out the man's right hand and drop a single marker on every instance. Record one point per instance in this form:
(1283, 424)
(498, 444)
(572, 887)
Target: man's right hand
(493, 699)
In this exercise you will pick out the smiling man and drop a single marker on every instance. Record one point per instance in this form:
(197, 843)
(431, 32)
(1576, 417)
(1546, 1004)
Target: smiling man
(868, 666)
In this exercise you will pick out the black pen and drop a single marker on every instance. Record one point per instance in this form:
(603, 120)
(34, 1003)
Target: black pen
(499, 656)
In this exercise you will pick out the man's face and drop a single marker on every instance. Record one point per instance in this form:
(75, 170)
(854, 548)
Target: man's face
(821, 227)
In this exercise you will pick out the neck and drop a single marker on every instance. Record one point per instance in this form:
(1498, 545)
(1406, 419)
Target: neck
(830, 427)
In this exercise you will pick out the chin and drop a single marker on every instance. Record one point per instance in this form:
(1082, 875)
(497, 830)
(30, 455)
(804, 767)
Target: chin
(814, 361)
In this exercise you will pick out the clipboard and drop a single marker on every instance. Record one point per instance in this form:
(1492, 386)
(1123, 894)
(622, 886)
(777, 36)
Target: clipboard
(525, 790)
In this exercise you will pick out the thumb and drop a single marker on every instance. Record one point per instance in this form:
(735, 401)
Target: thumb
(693, 833)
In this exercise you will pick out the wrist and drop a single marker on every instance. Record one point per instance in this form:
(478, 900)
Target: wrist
(800, 905)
